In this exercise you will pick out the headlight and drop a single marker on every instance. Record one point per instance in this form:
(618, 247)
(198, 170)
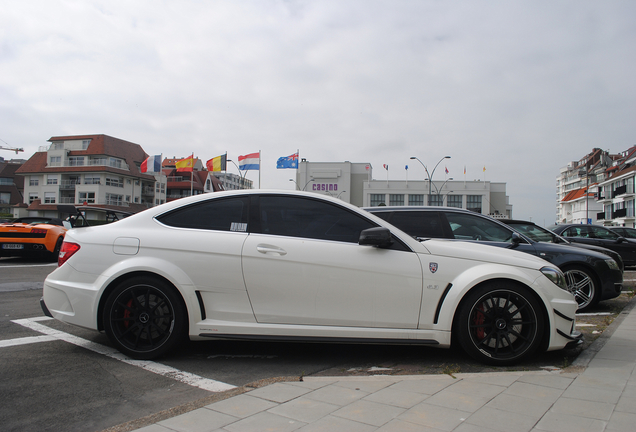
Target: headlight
(556, 276)
(612, 264)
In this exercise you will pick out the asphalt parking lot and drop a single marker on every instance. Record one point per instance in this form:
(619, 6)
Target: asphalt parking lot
(59, 377)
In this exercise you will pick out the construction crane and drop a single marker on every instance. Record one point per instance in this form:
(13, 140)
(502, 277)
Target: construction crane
(15, 149)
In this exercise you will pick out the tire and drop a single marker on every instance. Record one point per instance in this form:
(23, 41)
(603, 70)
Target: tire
(500, 323)
(53, 256)
(582, 284)
(144, 317)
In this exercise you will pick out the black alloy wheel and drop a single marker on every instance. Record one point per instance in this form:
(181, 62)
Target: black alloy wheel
(500, 323)
(144, 318)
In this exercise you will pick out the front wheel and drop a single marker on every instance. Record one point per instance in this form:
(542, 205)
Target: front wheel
(500, 323)
(144, 317)
(581, 283)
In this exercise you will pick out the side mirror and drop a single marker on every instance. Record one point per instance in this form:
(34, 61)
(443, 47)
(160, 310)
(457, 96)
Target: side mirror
(379, 236)
(516, 239)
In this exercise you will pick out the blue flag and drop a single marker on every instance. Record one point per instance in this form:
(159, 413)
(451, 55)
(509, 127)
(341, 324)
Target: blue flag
(288, 162)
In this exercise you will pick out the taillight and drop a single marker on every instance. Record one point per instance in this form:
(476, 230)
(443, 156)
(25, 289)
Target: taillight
(68, 250)
(38, 231)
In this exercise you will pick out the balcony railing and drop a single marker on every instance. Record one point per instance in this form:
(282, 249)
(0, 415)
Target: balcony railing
(68, 184)
(621, 190)
(619, 213)
(600, 216)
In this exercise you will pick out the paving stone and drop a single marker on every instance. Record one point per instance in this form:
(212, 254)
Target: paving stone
(504, 421)
(533, 391)
(520, 405)
(547, 380)
(475, 388)
(428, 386)
(558, 422)
(583, 408)
(242, 406)
(366, 386)
(463, 402)
(398, 398)
(442, 418)
(279, 392)
(369, 412)
(402, 426)
(199, 420)
(304, 409)
(336, 395)
(333, 424)
(265, 421)
(622, 422)
(593, 394)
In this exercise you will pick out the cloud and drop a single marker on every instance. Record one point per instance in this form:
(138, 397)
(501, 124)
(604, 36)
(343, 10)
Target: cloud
(521, 88)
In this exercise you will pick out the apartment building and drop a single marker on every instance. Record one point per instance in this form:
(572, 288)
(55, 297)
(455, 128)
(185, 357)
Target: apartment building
(598, 189)
(95, 170)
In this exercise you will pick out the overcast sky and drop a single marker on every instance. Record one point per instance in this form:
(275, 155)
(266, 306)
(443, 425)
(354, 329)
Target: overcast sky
(519, 87)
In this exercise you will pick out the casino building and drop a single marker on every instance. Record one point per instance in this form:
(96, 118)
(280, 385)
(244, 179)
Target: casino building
(354, 183)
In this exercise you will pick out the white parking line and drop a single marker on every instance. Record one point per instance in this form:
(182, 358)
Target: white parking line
(29, 265)
(25, 341)
(150, 366)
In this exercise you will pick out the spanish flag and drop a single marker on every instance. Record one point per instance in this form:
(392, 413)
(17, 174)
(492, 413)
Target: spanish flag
(217, 164)
(185, 164)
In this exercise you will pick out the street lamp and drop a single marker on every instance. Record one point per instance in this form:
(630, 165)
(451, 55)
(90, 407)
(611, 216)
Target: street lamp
(587, 195)
(241, 176)
(298, 187)
(430, 175)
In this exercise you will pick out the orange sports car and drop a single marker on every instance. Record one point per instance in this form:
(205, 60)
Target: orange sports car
(38, 237)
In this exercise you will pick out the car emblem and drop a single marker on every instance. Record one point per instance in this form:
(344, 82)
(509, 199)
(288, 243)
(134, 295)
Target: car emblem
(432, 267)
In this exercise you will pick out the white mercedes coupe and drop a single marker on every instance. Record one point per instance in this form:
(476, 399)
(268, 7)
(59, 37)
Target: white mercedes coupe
(297, 266)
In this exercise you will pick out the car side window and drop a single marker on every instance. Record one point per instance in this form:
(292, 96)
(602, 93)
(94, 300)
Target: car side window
(604, 234)
(418, 223)
(308, 218)
(582, 232)
(225, 214)
(469, 227)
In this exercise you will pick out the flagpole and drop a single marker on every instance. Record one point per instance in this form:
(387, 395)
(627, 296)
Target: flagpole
(191, 173)
(259, 169)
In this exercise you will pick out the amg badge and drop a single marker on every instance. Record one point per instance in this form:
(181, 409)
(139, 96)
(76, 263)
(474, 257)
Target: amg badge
(432, 267)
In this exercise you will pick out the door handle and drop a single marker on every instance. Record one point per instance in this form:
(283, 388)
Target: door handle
(268, 249)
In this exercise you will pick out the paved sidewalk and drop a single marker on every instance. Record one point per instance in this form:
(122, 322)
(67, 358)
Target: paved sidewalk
(601, 397)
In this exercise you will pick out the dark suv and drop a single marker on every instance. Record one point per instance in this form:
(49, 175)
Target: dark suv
(591, 276)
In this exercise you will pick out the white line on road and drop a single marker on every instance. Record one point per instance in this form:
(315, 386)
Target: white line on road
(29, 265)
(150, 366)
(25, 341)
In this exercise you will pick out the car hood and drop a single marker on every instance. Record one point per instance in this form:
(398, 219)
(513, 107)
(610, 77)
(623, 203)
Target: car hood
(483, 252)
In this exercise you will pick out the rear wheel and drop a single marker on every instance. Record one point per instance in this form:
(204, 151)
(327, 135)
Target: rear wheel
(53, 256)
(145, 317)
(500, 323)
(582, 284)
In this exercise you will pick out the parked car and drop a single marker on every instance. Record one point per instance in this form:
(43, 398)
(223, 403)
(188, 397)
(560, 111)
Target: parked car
(34, 237)
(590, 276)
(541, 234)
(297, 266)
(599, 236)
(624, 231)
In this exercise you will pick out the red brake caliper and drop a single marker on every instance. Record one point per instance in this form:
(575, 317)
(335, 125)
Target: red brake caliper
(127, 313)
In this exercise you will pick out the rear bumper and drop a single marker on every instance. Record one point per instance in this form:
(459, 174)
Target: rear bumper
(44, 308)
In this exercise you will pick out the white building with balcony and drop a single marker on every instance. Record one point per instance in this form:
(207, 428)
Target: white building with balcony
(96, 170)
